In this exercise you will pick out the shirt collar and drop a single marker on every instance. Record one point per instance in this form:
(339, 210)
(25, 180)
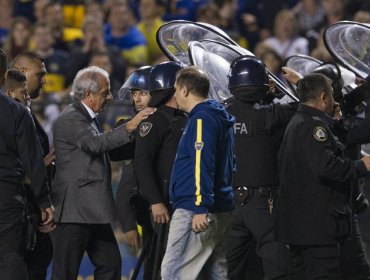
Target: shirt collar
(311, 110)
(315, 112)
(91, 112)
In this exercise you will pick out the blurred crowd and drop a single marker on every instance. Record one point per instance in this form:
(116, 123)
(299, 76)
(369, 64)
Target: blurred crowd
(119, 36)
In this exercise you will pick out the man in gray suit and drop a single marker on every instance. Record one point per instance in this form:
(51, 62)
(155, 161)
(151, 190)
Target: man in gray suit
(81, 193)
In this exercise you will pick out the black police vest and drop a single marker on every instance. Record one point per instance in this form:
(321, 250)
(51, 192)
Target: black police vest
(258, 135)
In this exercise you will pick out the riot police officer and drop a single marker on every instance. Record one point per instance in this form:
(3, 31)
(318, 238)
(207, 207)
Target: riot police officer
(131, 208)
(314, 207)
(259, 130)
(156, 146)
(353, 261)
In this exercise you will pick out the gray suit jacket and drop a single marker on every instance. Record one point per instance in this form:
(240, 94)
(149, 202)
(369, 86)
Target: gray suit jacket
(81, 191)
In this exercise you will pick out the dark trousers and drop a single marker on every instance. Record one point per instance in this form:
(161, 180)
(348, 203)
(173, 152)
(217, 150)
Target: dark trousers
(314, 263)
(353, 260)
(12, 266)
(249, 222)
(38, 260)
(70, 242)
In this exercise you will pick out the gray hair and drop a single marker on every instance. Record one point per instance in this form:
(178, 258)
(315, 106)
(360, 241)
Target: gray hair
(87, 79)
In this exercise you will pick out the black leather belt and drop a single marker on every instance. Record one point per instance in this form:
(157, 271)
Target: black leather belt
(243, 193)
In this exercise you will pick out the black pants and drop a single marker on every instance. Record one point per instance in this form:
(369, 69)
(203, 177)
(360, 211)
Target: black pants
(253, 221)
(353, 260)
(38, 260)
(314, 263)
(12, 266)
(70, 242)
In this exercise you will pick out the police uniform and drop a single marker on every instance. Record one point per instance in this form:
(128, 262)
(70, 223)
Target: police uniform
(352, 132)
(156, 146)
(131, 208)
(314, 206)
(258, 133)
(127, 187)
(155, 152)
(20, 154)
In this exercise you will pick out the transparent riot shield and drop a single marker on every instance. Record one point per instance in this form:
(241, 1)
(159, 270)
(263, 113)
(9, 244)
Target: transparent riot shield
(349, 43)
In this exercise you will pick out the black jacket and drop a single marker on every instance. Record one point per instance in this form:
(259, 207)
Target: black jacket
(156, 146)
(315, 182)
(20, 156)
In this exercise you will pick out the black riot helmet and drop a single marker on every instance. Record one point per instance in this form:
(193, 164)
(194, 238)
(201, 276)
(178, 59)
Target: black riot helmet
(138, 80)
(248, 80)
(332, 71)
(162, 79)
(350, 96)
(247, 71)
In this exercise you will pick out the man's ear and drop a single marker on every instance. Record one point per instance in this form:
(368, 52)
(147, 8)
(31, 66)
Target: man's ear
(23, 70)
(323, 97)
(8, 92)
(185, 91)
(88, 96)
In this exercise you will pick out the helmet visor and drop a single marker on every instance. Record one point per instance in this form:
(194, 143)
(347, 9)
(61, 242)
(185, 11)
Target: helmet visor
(135, 82)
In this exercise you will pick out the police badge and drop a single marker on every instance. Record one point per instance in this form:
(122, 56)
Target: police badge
(145, 128)
(320, 133)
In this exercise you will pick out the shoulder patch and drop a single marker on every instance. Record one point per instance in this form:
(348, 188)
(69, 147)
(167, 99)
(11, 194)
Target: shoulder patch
(198, 146)
(145, 128)
(320, 133)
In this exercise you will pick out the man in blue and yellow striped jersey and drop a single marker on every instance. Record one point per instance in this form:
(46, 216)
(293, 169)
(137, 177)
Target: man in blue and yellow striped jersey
(200, 187)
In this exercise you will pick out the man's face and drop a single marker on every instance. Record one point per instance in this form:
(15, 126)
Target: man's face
(99, 100)
(43, 38)
(20, 94)
(141, 99)
(35, 73)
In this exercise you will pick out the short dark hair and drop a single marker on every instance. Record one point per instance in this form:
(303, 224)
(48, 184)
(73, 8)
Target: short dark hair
(32, 56)
(14, 79)
(311, 86)
(3, 66)
(195, 80)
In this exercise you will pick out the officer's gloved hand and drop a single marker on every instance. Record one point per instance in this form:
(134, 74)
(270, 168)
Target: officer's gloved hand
(360, 203)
